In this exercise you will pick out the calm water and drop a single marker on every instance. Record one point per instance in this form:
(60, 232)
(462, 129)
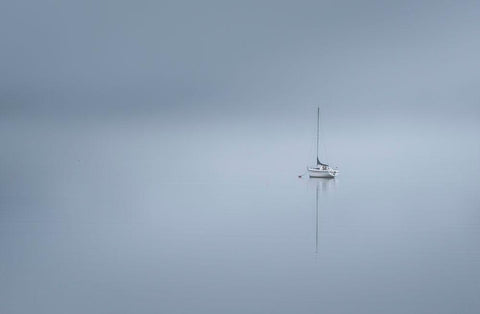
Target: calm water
(122, 219)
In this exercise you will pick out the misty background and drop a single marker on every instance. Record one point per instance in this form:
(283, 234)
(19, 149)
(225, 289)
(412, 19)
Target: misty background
(150, 153)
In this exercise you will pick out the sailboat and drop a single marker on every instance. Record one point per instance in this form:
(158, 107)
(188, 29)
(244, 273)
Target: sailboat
(321, 170)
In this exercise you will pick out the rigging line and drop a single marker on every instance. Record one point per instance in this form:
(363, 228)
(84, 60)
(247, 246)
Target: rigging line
(312, 142)
(324, 146)
(318, 128)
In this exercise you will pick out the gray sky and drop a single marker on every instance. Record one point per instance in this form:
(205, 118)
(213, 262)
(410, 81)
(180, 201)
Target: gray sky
(222, 57)
(238, 81)
(150, 153)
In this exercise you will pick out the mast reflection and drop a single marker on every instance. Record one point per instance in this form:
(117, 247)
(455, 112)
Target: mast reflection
(322, 186)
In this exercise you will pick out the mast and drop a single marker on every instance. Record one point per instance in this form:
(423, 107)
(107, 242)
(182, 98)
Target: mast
(318, 129)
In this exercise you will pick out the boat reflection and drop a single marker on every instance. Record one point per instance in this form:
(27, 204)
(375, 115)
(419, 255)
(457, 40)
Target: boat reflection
(322, 186)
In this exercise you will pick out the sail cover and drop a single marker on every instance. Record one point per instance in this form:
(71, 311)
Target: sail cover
(320, 163)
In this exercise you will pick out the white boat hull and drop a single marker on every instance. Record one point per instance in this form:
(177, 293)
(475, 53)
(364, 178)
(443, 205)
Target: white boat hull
(321, 173)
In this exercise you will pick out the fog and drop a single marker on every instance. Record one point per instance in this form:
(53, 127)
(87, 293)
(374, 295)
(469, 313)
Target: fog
(150, 154)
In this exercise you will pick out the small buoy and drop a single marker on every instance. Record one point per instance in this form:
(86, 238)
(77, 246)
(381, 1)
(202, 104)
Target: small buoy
(300, 176)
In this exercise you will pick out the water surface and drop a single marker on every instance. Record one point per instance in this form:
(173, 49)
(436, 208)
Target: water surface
(123, 219)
